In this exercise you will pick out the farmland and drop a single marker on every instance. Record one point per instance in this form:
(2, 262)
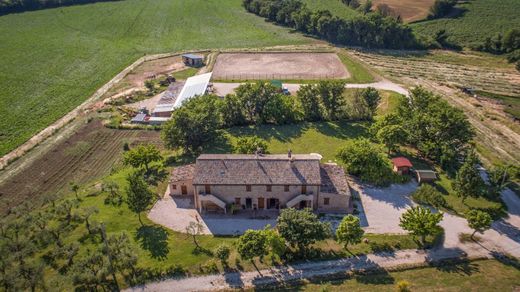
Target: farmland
(478, 19)
(54, 59)
(92, 152)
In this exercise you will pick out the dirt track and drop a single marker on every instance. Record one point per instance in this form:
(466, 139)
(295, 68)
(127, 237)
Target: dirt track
(241, 66)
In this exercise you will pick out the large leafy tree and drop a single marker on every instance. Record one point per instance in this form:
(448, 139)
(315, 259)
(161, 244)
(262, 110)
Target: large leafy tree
(301, 228)
(331, 93)
(139, 196)
(193, 124)
(439, 131)
(349, 231)
(232, 111)
(420, 221)
(253, 243)
(391, 136)
(249, 145)
(282, 109)
(142, 155)
(310, 101)
(498, 178)
(468, 181)
(254, 97)
(479, 221)
(366, 160)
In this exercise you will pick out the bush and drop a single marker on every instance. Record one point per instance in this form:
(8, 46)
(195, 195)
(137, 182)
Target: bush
(210, 267)
(368, 161)
(222, 253)
(403, 286)
(428, 195)
(249, 145)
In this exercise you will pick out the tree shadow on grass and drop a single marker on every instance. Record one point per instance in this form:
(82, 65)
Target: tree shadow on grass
(155, 240)
(342, 129)
(377, 276)
(506, 259)
(201, 250)
(461, 266)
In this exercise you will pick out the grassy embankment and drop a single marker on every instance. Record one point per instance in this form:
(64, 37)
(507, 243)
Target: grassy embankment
(54, 59)
(481, 275)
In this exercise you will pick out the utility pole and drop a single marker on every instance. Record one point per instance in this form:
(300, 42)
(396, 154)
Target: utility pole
(109, 255)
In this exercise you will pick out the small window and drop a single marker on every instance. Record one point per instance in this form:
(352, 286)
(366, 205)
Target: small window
(207, 189)
(304, 189)
(268, 188)
(248, 188)
(174, 187)
(286, 188)
(326, 201)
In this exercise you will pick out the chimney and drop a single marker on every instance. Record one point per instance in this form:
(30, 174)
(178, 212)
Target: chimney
(289, 154)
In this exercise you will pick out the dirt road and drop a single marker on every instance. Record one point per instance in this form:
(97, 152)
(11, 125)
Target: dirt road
(223, 89)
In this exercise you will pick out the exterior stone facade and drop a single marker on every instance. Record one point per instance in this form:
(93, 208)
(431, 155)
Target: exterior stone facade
(309, 184)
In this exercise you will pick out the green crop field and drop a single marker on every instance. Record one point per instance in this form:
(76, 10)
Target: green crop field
(334, 6)
(482, 18)
(54, 59)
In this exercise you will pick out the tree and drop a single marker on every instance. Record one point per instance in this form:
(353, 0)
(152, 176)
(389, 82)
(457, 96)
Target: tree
(441, 8)
(32, 274)
(74, 187)
(139, 196)
(275, 241)
(120, 253)
(85, 215)
(366, 7)
(301, 228)
(308, 95)
(331, 94)
(420, 221)
(468, 181)
(222, 253)
(250, 145)
(112, 188)
(371, 98)
(282, 109)
(499, 179)
(439, 131)
(253, 243)
(232, 111)
(195, 229)
(427, 194)
(367, 161)
(193, 124)
(142, 155)
(253, 98)
(90, 271)
(64, 210)
(391, 136)
(478, 221)
(349, 231)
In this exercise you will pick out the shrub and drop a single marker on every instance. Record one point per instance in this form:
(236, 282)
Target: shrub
(368, 161)
(249, 145)
(427, 194)
(402, 286)
(210, 267)
(222, 253)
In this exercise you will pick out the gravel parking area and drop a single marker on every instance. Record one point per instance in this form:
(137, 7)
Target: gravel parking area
(381, 208)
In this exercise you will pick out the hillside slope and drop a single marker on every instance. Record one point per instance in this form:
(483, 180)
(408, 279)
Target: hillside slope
(54, 59)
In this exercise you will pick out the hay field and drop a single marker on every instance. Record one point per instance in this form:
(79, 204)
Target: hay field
(410, 10)
(54, 59)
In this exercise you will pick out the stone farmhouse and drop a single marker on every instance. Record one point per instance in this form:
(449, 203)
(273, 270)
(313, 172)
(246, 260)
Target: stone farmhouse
(215, 182)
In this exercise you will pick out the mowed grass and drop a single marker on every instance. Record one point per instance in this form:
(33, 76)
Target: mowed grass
(54, 59)
(479, 19)
(481, 275)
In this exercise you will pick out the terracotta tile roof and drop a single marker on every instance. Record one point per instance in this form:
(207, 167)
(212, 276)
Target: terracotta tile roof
(401, 162)
(241, 169)
(184, 172)
(333, 180)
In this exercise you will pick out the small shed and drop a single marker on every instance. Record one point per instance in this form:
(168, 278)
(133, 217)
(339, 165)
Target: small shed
(139, 119)
(193, 60)
(425, 175)
(401, 165)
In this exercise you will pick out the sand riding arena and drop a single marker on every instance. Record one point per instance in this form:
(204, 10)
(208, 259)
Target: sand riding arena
(285, 66)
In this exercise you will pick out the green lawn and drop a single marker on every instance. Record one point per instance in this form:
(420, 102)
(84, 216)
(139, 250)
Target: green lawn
(54, 59)
(481, 275)
(359, 73)
(323, 138)
(185, 74)
(481, 19)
